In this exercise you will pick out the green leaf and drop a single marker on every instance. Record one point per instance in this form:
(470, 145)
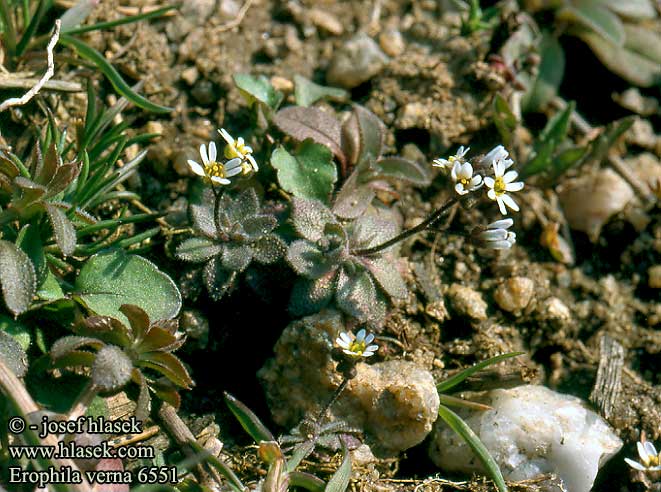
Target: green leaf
(13, 355)
(596, 17)
(17, 276)
(109, 279)
(551, 137)
(307, 260)
(339, 482)
(466, 433)
(503, 119)
(550, 74)
(198, 249)
(113, 75)
(568, 158)
(248, 420)
(306, 481)
(309, 173)
(17, 330)
(356, 294)
(29, 241)
(371, 131)
(219, 465)
(310, 296)
(466, 373)
(77, 17)
(50, 289)
(310, 218)
(63, 229)
(387, 276)
(402, 169)
(307, 92)
(632, 9)
(257, 88)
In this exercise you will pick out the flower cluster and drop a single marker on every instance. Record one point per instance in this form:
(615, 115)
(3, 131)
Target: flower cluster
(502, 181)
(240, 161)
(650, 460)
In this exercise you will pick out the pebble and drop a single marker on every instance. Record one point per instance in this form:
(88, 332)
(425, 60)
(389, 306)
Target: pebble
(282, 84)
(392, 42)
(203, 92)
(190, 75)
(514, 294)
(326, 21)
(554, 309)
(654, 273)
(357, 61)
(468, 302)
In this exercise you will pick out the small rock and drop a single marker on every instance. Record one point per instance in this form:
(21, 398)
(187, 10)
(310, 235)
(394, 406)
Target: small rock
(531, 431)
(357, 61)
(326, 21)
(282, 84)
(203, 92)
(395, 401)
(514, 294)
(554, 309)
(190, 75)
(155, 127)
(392, 42)
(229, 9)
(654, 276)
(468, 302)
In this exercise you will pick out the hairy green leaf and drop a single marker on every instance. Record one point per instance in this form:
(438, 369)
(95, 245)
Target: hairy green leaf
(18, 278)
(198, 249)
(402, 169)
(112, 368)
(310, 218)
(339, 482)
(108, 280)
(63, 229)
(268, 249)
(356, 294)
(13, 355)
(309, 173)
(257, 88)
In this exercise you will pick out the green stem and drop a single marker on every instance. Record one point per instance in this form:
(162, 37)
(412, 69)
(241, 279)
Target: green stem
(10, 32)
(333, 399)
(408, 232)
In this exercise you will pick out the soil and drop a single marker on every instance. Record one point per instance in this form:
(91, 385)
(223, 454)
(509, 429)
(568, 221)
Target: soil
(435, 94)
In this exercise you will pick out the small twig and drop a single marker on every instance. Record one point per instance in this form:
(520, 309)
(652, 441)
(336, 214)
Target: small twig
(16, 81)
(238, 19)
(25, 98)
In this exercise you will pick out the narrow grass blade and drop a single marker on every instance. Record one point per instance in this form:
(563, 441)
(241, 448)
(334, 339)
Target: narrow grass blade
(113, 75)
(306, 481)
(466, 433)
(339, 482)
(460, 377)
(119, 22)
(248, 420)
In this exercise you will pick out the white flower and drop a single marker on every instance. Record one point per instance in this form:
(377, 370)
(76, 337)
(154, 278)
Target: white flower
(357, 345)
(462, 175)
(498, 153)
(215, 172)
(650, 461)
(238, 149)
(446, 163)
(496, 235)
(500, 184)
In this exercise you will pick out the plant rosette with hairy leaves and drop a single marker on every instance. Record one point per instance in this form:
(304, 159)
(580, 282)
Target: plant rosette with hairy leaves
(330, 271)
(123, 353)
(231, 234)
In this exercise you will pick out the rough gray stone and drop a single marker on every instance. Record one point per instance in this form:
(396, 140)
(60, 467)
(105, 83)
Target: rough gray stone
(357, 61)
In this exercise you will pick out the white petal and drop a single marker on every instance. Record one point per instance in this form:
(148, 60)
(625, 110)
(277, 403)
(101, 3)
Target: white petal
(196, 168)
(494, 235)
(372, 348)
(360, 336)
(648, 449)
(509, 201)
(349, 352)
(508, 162)
(634, 464)
(509, 175)
(455, 170)
(495, 154)
(501, 204)
(462, 151)
(476, 182)
(253, 163)
(232, 163)
(499, 168)
(203, 154)
(500, 245)
(491, 194)
(233, 172)
(501, 224)
(459, 188)
(511, 237)
(489, 181)
(219, 180)
(369, 338)
(247, 149)
(518, 186)
(212, 152)
(228, 138)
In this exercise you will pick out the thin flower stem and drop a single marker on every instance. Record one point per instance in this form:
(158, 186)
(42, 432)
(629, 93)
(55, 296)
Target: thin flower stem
(409, 232)
(216, 208)
(333, 399)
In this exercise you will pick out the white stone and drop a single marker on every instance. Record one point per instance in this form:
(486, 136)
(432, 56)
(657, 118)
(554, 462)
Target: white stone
(532, 430)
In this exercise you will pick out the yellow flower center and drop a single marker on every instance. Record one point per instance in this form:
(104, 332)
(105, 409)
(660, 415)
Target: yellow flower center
(452, 158)
(357, 347)
(214, 169)
(232, 151)
(464, 181)
(499, 186)
(653, 461)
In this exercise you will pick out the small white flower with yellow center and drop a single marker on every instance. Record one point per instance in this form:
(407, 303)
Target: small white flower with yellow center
(215, 172)
(462, 175)
(358, 345)
(650, 461)
(496, 235)
(500, 184)
(238, 149)
(446, 163)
